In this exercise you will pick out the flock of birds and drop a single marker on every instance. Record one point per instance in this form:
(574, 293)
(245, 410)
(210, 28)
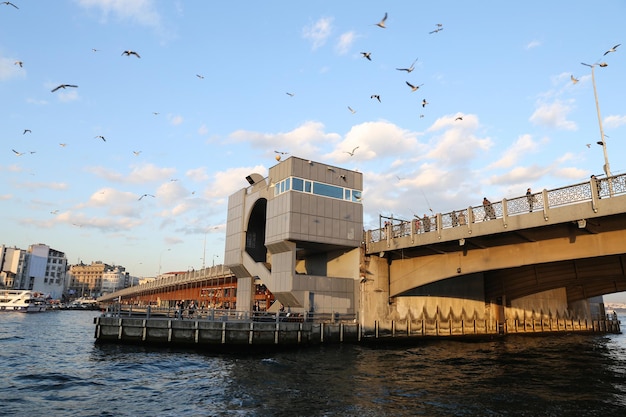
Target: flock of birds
(365, 54)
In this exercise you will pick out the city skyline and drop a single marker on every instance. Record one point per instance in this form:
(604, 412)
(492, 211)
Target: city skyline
(160, 111)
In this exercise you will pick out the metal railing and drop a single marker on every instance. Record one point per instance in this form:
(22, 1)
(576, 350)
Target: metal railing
(212, 314)
(571, 194)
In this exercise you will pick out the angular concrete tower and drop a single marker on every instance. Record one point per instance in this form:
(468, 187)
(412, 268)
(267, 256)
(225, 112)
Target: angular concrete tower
(299, 231)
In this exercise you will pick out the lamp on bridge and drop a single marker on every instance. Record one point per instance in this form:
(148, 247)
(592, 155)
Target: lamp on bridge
(601, 142)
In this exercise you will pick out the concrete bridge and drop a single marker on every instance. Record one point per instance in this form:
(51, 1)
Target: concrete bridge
(572, 237)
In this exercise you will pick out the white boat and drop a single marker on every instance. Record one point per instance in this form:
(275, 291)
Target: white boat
(23, 301)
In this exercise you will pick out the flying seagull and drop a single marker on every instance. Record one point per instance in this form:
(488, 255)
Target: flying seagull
(281, 153)
(200, 76)
(27, 131)
(351, 110)
(603, 64)
(54, 211)
(381, 24)
(129, 53)
(376, 96)
(367, 55)
(64, 86)
(458, 118)
(351, 153)
(94, 50)
(101, 137)
(20, 63)
(290, 94)
(424, 103)
(435, 31)
(136, 153)
(409, 69)
(8, 3)
(17, 153)
(612, 49)
(413, 87)
(146, 195)
(574, 79)
(63, 145)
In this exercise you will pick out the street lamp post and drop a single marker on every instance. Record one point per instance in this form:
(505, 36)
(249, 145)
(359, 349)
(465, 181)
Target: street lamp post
(602, 141)
(215, 256)
(160, 258)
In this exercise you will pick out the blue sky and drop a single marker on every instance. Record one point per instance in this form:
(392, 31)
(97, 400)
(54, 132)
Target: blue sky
(206, 104)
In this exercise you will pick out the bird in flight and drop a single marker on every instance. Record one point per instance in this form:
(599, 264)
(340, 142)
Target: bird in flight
(612, 49)
(603, 64)
(200, 76)
(376, 96)
(281, 153)
(136, 153)
(94, 50)
(367, 55)
(589, 145)
(63, 145)
(17, 153)
(574, 79)
(54, 211)
(351, 153)
(8, 3)
(145, 195)
(20, 63)
(64, 86)
(409, 69)
(129, 53)
(424, 103)
(27, 131)
(435, 31)
(351, 110)
(458, 118)
(381, 24)
(290, 94)
(101, 137)
(413, 87)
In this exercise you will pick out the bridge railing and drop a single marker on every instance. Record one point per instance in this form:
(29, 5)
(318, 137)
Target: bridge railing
(571, 194)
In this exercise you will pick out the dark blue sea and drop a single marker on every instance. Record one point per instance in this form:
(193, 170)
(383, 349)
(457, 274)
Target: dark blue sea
(51, 366)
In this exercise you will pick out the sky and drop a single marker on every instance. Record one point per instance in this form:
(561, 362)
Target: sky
(213, 89)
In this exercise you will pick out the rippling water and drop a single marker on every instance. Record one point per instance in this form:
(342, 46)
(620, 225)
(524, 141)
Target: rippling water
(51, 366)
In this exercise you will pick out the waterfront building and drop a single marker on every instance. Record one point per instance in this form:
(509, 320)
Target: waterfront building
(47, 270)
(114, 279)
(13, 267)
(86, 280)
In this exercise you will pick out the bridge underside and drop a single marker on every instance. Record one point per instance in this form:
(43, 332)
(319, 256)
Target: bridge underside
(586, 259)
(582, 278)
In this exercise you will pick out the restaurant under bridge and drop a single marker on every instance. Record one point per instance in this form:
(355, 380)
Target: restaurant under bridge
(214, 287)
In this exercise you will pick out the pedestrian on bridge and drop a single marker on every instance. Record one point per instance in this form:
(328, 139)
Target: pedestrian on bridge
(531, 199)
(454, 219)
(490, 213)
(426, 222)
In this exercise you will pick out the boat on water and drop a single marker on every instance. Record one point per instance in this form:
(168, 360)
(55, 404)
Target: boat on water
(23, 301)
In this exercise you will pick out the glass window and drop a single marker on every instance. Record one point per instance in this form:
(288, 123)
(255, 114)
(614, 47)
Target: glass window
(287, 184)
(356, 196)
(346, 194)
(327, 190)
(297, 184)
(307, 186)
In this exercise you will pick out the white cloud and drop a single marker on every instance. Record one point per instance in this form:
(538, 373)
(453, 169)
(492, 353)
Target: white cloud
(175, 120)
(140, 11)
(614, 121)
(318, 32)
(522, 146)
(9, 70)
(346, 40)
(301, 141)
(553, 115)
(533, 44)
(197, 174)
(203, 130)
(140, 174)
